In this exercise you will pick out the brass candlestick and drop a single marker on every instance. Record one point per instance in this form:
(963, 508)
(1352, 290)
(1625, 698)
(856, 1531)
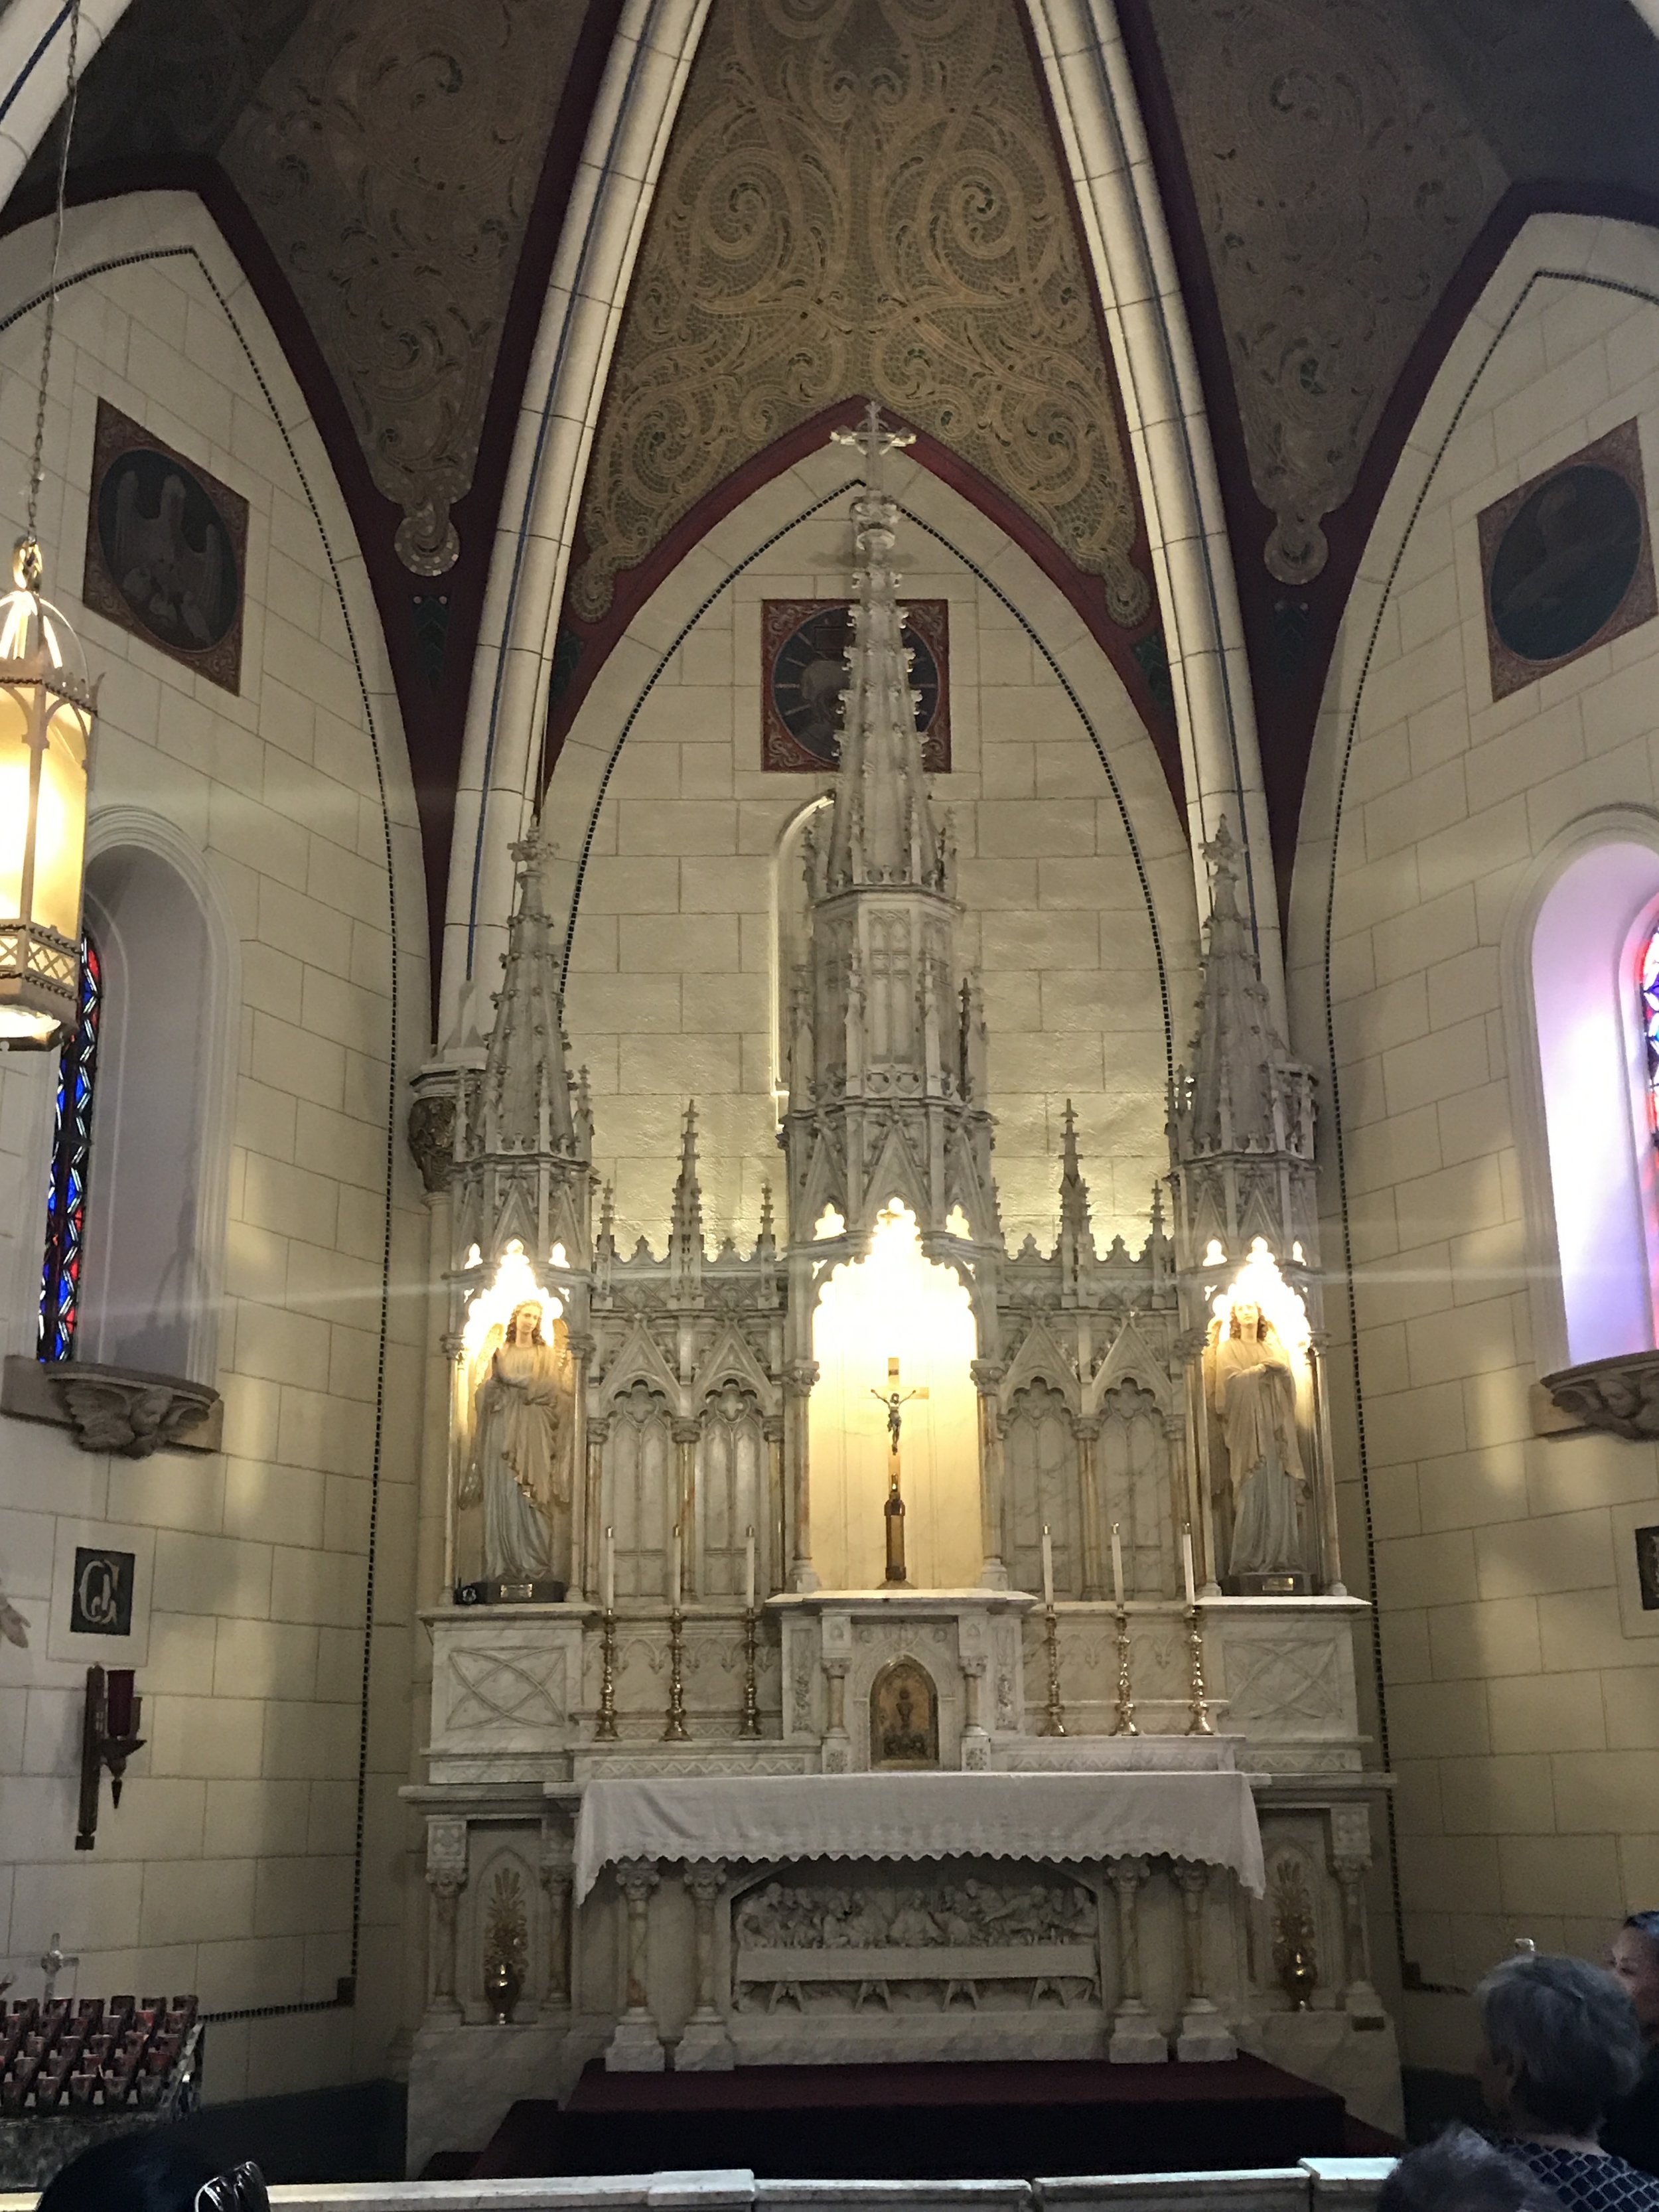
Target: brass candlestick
(1201, 1724)
(676, 1731)
(1055, 1719)
(604, 1724)
(1125, 1722)
(750, 1701)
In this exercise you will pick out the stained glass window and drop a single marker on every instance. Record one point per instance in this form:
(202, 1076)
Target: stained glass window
(71, 1154)
(1650, 1026)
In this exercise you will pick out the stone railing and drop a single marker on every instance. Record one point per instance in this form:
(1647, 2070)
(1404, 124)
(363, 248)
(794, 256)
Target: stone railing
(1317, 2184)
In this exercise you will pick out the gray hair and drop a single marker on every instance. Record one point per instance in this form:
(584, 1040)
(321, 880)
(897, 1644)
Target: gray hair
(1461, 2172)
(1570, 2033)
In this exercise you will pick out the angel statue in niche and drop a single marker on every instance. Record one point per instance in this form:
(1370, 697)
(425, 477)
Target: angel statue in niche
(1250, 1384)
(519, 1466)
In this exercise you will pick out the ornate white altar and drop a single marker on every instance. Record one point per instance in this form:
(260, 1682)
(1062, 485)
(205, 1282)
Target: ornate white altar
(721, 1498)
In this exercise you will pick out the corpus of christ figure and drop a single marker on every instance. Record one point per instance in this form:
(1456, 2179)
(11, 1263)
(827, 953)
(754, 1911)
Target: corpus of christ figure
(895, 1400)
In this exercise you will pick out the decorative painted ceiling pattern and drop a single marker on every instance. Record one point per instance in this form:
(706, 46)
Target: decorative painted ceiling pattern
(391, 156)
(1340, 181)
(861, 198)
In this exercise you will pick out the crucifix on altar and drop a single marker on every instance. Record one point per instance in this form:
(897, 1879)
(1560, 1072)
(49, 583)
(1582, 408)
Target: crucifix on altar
(895, 1400)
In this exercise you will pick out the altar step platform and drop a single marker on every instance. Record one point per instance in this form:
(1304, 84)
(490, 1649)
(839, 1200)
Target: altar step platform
(949, 2121)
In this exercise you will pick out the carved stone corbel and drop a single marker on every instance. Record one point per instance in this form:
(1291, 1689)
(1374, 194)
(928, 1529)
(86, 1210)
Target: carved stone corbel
(1619, 1395)
(125, 1410)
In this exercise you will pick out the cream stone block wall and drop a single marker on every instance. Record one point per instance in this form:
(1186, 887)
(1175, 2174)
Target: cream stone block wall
(230, 1866)
(676, 845)
(1522, 1696)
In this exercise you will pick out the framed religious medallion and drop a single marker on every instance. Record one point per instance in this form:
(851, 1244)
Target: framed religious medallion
(167, 549)
(803, 646)
(903, 1716)
(1566, 561)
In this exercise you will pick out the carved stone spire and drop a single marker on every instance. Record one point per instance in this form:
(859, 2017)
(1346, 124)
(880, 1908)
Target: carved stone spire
(887, 1048)
(1076, 1250)
(685, 1245)
(522, 1167)
(1236, 1052)
(881, 828)
(525, 1101)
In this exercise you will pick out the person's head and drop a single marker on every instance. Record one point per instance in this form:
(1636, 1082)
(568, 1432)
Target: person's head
(526, 1326)
(1561, 2044)
(1461, 2172)
(1633, 1962)
(158, 2169)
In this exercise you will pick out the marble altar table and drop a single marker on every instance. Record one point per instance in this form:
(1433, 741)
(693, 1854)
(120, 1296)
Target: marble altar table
(1074, 1819)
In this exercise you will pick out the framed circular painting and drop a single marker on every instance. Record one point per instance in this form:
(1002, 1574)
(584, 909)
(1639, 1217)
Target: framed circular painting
(166, 547)
(804, 646)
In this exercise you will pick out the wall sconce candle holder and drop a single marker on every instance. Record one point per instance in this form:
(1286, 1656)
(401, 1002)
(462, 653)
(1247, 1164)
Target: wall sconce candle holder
(109, 1736)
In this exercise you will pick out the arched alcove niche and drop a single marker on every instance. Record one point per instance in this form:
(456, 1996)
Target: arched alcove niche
(162, 1123)
(677, 858)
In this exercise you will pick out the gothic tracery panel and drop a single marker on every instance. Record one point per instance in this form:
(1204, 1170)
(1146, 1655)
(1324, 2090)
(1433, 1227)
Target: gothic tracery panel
(731, 1493)
(639, 1487)
(1131, 1461)
(1040, 1458)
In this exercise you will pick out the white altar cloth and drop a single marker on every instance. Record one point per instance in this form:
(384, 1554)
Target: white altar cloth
(1073, 1818)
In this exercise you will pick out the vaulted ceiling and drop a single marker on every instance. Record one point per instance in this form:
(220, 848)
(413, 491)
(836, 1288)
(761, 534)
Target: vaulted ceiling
(865, 196)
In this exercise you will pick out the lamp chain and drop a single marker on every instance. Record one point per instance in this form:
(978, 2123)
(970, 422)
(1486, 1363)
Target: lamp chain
(37, 466)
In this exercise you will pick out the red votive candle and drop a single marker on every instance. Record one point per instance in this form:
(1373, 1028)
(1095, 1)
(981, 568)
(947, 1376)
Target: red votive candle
(118, 1701)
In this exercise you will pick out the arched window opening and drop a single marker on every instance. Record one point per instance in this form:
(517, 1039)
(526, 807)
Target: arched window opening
(71, 1162)
(1594, 977)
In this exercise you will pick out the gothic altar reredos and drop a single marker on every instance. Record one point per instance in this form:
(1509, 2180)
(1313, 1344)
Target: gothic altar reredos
(880, 1498)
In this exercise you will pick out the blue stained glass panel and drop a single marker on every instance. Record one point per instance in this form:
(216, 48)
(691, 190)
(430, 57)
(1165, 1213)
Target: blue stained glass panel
(71, 1156)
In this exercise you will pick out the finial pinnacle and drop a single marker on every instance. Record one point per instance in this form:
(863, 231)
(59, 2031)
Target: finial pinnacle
(875, 442)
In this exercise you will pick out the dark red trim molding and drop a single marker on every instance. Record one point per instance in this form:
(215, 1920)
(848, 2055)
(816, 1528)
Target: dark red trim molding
(433, 712)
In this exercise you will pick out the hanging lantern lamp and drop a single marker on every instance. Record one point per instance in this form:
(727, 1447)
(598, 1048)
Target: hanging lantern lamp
(47, 708)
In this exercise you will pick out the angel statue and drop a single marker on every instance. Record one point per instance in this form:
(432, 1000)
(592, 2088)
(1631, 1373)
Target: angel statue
(1252, 1392)
(519, 1466)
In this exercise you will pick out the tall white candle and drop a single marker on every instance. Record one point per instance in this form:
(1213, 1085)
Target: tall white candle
(1047, 1566)
(677, 1566)
(749, 1572)
(610, 1568)
(1117, 1563)
(1187, 1563)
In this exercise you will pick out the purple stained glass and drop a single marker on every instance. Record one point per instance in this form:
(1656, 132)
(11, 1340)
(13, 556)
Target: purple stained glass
(71, 1155)
(1650, 1025)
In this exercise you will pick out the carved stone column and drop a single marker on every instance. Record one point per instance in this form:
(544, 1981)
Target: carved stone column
(1204, 2033)
(798, 1380)
(593, 1515)
(988, 1378)
(777, 1546)
(685, 1434)
(837, 1755)
(1330, 1559)
(1094, 1570)
(1351, 1862)
(581, 1540)
(637, 2045)
(704, 2046)
(975, 1743)
(1137, 2039)
(555, 1877)
(445, 1877)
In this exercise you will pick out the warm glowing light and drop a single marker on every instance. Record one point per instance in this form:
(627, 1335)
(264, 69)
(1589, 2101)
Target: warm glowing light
(1259, 1283)
(1299, 1256)
(474, 1256)
(558, 1257)
(47, 710)
(829, 1224)
(1215, 1253)
(956, 1223)
(494, 1306)
(895, 1303)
